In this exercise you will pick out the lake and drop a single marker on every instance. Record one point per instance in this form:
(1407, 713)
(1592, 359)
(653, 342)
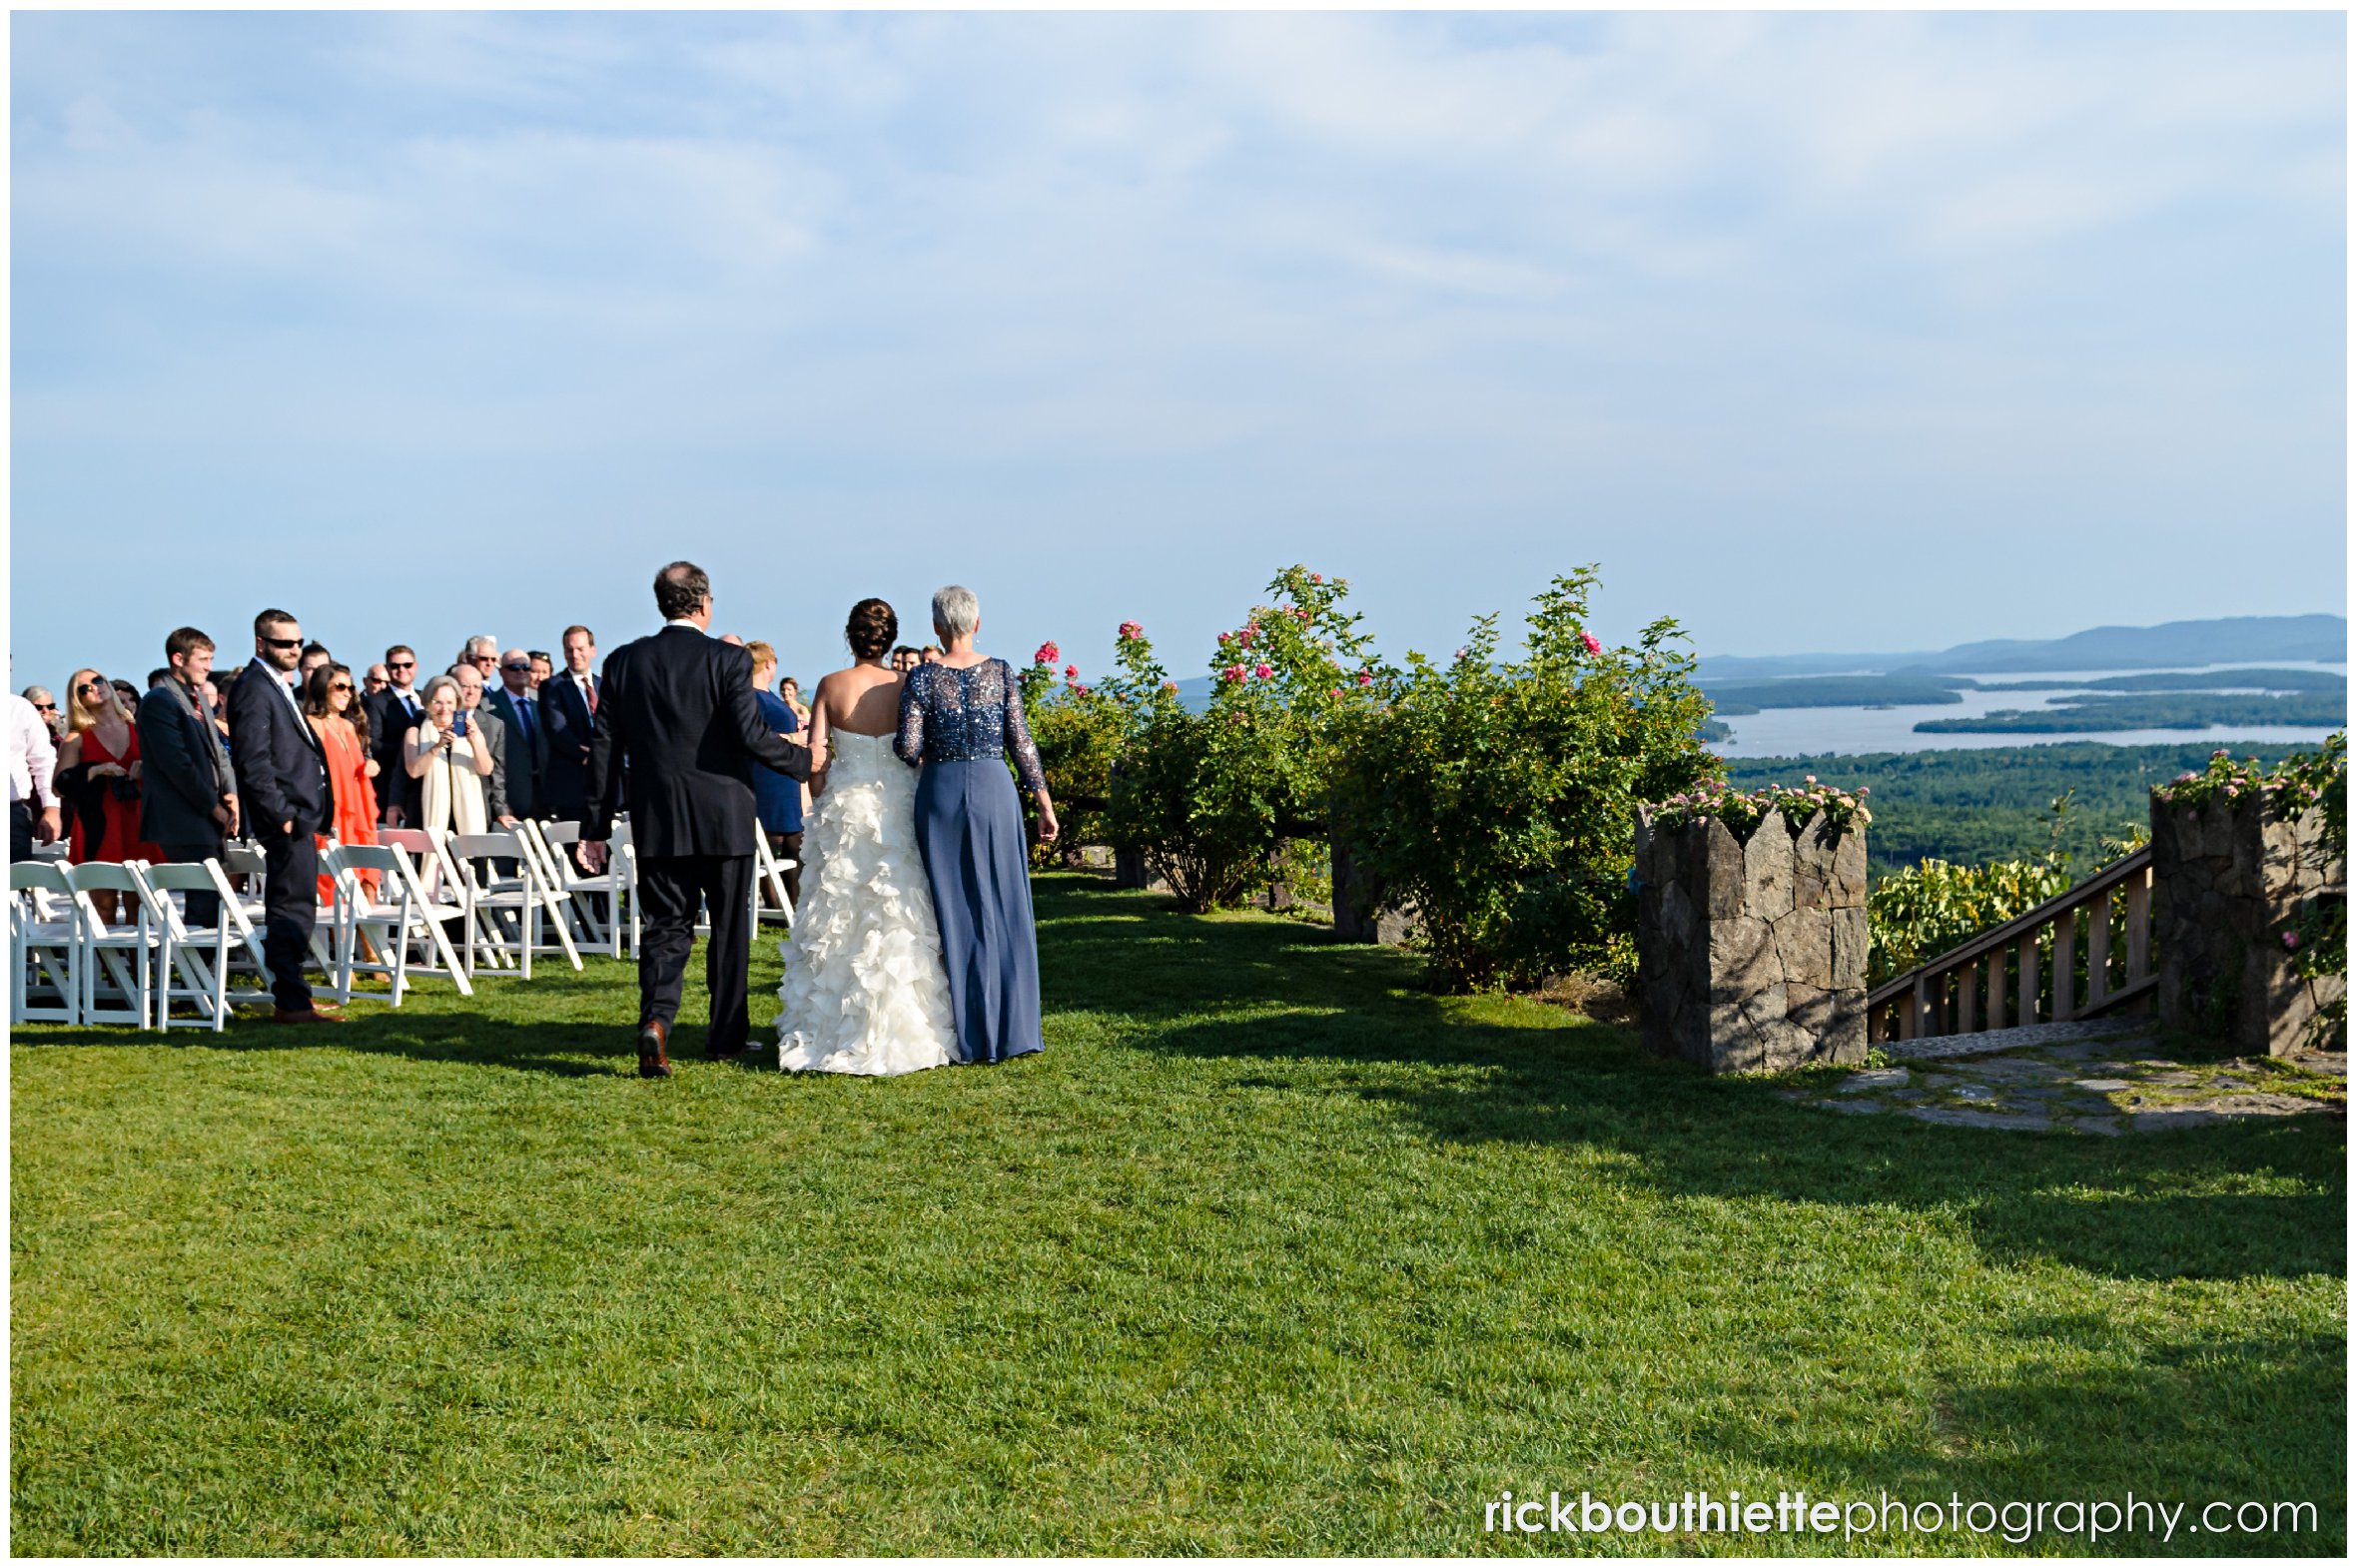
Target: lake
(1795, 732)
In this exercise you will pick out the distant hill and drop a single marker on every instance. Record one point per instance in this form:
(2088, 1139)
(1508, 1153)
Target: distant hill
(2235, 640)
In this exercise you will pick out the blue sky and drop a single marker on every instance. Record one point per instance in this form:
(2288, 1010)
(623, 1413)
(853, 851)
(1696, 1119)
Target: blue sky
(1868, 332)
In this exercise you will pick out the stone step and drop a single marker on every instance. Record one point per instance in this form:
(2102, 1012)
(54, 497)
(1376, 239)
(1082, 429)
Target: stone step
(1988, 1041)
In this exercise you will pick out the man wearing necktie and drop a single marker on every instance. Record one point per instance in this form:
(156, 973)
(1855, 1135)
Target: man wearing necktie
(515, 706)
(568, 723)
(392, 713)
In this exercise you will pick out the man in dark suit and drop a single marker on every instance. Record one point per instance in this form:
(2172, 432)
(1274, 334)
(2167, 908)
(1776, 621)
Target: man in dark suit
(188, 802)
(678, 706)
(568, 701)
(283, 782)
(514, 705)
(392, 713)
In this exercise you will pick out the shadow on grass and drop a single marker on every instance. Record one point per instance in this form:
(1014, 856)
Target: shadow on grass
(2147, 1206)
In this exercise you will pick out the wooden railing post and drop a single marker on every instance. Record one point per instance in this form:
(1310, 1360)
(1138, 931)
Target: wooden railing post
(2065, 960)
(2026, 980)
(2139, 926)
(1967, 984)
(2099, 948)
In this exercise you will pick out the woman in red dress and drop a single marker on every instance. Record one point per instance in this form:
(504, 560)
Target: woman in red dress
(342, 723)
(104, 746)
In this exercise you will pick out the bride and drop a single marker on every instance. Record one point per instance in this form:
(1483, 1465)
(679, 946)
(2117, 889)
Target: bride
(865, 990)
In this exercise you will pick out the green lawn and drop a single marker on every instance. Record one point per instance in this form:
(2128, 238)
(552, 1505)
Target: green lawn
(1269, 1252)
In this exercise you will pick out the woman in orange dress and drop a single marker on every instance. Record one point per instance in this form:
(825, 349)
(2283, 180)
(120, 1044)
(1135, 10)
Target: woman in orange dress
(330, 700)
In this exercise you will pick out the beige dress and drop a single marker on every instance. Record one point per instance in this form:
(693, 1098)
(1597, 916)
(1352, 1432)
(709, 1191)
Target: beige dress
(454, 790)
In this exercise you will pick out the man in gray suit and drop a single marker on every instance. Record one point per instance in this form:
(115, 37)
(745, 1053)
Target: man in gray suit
(516, 708)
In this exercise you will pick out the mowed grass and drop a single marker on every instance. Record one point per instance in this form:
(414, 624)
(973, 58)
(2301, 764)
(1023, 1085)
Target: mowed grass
(1269, 1251)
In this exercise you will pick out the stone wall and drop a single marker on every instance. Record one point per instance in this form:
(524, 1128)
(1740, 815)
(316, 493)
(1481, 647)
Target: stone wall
(1752, 956)
(1363, 908)
(2228, 879)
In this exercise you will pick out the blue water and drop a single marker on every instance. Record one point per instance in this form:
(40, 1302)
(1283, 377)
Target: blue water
(1795, 732)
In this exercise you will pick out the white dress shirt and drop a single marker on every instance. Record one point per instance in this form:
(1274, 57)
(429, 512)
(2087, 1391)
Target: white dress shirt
(32, 756)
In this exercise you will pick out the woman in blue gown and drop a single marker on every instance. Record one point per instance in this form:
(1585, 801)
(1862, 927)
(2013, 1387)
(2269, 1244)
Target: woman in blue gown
(962, 718)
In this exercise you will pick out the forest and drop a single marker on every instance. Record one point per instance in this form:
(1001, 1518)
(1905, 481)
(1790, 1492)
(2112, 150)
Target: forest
(2195, 710)
(1997, 803)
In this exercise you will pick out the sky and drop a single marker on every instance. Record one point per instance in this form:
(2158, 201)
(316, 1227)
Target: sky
(1854, 332)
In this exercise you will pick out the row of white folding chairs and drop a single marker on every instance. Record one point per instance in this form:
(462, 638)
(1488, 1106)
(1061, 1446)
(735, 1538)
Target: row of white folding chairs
(69, 963)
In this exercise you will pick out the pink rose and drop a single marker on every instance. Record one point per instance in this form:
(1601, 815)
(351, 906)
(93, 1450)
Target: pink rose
(1233, 672)
(1170, 685)
(1048, 654)
(1318, 577)
(1071, 672)
(1588, 641)
(1262, 671)
(1367, 677)
(2291, 941)
(1336, 692)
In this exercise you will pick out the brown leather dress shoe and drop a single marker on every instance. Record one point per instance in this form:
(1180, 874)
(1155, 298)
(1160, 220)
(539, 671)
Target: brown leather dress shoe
(305, 1015)
(654, 1035)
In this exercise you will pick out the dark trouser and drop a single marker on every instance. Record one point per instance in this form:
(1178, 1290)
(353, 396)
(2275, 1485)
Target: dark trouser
(667, 889)
(788, 846)
(204, 909)
(20, 830)
(290, 907)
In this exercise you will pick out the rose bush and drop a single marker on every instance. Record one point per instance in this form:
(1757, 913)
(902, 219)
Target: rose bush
(1499, 799)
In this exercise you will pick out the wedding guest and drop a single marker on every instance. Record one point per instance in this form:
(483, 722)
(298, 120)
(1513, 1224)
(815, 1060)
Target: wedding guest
(397, 708)
(489, 735)
(157, 677)
(342, 725)
(777, 797)
(33, 813)
(527, 746)
(283, 782)
(190, 804)
(789, 692)
(373, 682)
(929, 654)
(126, 696)
(44, 703)
(482, 652)
(314, 656)
(102, 759)
(543, 666)
(569, 703)
(962, 720)
(448, 764)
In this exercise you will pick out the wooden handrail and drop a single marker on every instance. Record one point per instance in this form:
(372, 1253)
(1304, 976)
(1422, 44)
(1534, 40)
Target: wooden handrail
(2102, 882)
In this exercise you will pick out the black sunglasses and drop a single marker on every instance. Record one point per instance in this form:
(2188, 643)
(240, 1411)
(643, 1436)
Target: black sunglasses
(94, 685)
(400, 664)
(283, 642)
(44, 707)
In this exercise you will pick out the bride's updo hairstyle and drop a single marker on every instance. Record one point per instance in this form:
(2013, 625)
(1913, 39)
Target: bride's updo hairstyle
(872, 630)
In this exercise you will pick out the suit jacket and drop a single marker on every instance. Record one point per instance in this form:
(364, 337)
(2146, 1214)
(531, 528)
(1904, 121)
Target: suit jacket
(389, 732)
(520, 771)
(282, 769)
(494, 736)
(678, 706)
(184, 769)
(571, 732)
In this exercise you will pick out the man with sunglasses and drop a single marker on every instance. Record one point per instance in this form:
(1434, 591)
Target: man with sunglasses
(393, 712)
(516, 708)
(282, 772)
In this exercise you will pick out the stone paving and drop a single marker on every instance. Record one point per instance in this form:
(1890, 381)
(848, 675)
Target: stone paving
(2098, 1079)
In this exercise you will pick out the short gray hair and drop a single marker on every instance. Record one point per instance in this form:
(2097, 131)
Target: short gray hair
(425, 697)
(956, 611)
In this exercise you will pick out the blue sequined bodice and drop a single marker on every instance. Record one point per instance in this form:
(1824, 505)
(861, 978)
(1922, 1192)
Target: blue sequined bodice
(953, 715)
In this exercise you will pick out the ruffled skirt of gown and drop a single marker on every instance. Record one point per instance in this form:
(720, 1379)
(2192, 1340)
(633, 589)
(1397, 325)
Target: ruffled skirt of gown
(865, 991)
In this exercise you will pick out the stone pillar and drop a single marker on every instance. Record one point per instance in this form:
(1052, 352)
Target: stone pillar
(1130, 871)
(1359, 896)
(2229, 877)
(1752, 956)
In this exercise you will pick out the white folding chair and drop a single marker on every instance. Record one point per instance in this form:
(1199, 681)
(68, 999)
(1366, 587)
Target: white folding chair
(769, 874)
(44, 945)
(401, 916)
(118, 956)
(493, 900)
(548, 887)
(192, 962)
(440, 878)
(604, 903)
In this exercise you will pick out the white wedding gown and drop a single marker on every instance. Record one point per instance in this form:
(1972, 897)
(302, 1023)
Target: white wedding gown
(865, 990)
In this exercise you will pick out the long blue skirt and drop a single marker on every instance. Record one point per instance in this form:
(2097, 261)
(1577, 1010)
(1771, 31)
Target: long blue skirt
(969, 830)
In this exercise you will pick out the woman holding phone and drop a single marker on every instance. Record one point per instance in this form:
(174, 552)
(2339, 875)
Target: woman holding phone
(450, 762)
